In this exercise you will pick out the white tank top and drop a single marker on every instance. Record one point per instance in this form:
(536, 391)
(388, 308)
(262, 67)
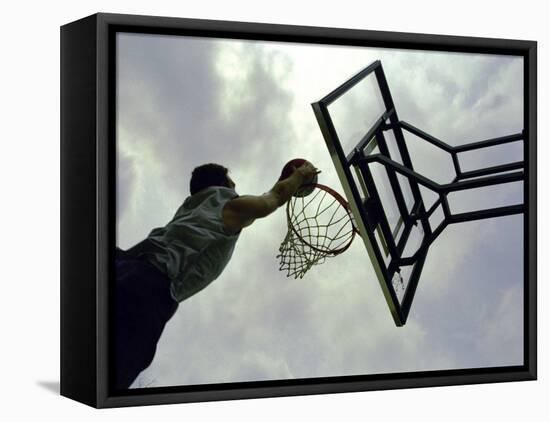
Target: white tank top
(194, 248)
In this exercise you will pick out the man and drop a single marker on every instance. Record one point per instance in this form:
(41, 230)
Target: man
(180, 259)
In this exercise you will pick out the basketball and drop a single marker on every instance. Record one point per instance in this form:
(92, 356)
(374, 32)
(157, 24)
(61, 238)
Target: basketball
(287, 171)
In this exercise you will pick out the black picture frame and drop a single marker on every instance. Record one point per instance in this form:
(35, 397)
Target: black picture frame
(88, 196)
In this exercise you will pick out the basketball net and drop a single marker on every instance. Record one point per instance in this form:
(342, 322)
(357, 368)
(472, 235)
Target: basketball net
(319, 226)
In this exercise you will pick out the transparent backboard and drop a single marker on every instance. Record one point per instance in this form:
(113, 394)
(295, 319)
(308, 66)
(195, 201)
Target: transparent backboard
(358, 121)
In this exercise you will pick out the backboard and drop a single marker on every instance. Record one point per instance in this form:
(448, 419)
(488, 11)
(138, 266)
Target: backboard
(365, 139)
(386, 205)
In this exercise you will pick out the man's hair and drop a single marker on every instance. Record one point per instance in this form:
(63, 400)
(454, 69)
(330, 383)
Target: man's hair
(208, 175)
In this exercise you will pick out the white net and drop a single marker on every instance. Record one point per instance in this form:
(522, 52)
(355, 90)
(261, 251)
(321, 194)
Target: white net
(319, 226)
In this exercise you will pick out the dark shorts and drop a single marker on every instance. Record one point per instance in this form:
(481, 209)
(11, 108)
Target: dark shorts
(143, 306)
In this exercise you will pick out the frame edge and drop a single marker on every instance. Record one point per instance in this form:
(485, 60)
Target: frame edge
(101, 132)
(78, 211)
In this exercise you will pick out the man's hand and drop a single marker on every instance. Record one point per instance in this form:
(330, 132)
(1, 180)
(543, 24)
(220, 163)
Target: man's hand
(308, 172)
(285, 188)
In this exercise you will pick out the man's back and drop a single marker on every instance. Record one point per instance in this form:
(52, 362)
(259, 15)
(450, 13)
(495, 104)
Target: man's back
(194, 247)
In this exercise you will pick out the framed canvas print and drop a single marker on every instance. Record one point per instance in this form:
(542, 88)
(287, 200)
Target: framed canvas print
(253, 210)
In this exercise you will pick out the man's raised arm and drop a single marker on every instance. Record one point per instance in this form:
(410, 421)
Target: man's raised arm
(242, 211)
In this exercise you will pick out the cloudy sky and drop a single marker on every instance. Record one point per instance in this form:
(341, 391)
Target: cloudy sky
(185, 101)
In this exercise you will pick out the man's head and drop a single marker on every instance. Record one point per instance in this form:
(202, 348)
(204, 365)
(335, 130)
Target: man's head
(208, 175)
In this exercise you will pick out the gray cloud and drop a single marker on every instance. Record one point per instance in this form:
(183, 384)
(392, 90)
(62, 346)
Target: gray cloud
(459, 309)
(170, 111)
(167, 96)
(125, 182)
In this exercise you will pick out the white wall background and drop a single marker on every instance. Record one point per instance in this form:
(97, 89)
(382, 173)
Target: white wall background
(30, 213)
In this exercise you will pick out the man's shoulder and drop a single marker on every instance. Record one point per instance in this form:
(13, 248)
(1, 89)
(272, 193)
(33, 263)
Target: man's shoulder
(211, 196)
